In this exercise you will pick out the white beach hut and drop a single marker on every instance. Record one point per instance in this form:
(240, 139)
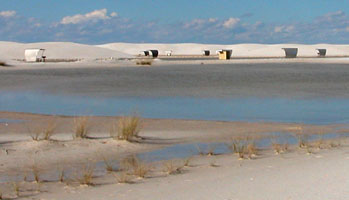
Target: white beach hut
(168, 53)
(34, 55)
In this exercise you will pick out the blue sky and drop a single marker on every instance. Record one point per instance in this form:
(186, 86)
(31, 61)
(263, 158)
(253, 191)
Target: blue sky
(202, 21)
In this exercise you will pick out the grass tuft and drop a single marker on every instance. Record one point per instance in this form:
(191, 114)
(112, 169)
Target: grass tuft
(128, 128)
(49, 131)
(210, 150)
(279, 148)
(123, 177)
(252, 150)
(241, 147)
(141, 170)
(302, 140)
(16, 188)
(108, 165)
(86, 174)
(171, 168)
(186, 162)
(80, 128)
(43, 133)
(61, 176)
(36, 172)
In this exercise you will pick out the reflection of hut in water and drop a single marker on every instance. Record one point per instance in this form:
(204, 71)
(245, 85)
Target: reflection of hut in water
(225, 54)
(206, 52)
(168, 53)
(152, 53)
(290, 52)
(321, 52)
(34, 55)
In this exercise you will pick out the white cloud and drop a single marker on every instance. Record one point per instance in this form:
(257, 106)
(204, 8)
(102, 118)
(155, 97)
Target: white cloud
(88, 17)
(114, 14)
(195, 23)
(231, 23)
(7, 13)
(212, 20)
(278, 29)
(286, 29)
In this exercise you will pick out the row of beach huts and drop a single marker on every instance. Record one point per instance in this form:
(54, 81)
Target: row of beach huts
(226, 54)
(37, 55)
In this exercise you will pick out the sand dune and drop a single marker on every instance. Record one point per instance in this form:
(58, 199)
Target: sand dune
(66, 50)
(58, 50)
(239, 50)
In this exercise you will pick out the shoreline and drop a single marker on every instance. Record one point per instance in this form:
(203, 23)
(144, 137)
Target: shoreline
(209, 171)
(168, 62)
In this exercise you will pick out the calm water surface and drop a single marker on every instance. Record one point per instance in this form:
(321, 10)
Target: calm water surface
(313, 111)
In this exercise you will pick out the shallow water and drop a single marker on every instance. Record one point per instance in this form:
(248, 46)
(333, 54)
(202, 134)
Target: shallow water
(178, 151)
(192, 149)
(311, 111)
(7, 121)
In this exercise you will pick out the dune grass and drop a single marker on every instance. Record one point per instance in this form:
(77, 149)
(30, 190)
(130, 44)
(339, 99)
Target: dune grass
(16, 188)
(238, 146)
(128, 162)
(122, 177)
(186, 162)
(252, 150)
(210, 150)
(86, 174)
(43, 133)
(61, 176)
(141, 170)
(171, 168)
(108, 165)
(36, 171)
(135, 166)
(128, 128)
(279, 147)
(81, 128)
(243, 147)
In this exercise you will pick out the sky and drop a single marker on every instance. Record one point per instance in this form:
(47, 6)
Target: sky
(176, 21)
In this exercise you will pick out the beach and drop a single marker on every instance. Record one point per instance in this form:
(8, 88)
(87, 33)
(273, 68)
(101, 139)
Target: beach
(288, 117)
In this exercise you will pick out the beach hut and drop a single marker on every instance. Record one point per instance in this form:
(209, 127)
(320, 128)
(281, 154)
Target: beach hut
(152, 53)
(34, 55)
(321, 52)
(225, 54)
(168, 52)
(290, 52)
(206, 52)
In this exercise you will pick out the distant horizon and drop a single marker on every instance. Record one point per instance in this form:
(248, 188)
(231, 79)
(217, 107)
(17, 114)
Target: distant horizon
(97, 44)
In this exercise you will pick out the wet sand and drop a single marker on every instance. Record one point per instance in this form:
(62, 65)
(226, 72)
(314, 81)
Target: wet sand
(208, 177)
(286, 80)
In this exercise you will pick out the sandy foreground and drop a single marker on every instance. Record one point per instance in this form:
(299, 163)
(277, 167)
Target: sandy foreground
(295, 174)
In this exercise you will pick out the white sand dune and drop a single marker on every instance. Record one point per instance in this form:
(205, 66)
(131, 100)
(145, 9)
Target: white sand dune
(66, 50)
(239, 50)
(58, 50)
